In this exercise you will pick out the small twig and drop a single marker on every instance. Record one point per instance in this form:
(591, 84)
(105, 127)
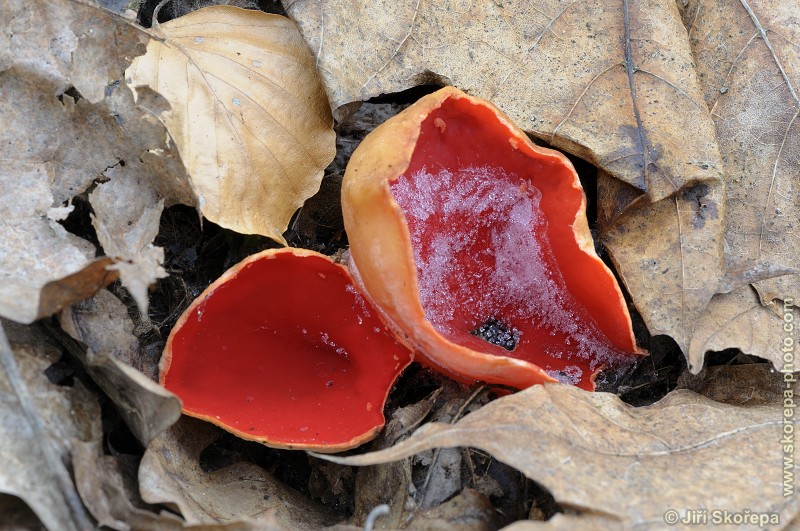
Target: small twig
(455, 418)
(374, 514)
(467, 452)
(55, 467)
(156, 11)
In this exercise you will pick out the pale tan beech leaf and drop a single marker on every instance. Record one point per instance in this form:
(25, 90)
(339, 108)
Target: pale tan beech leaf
(611, 81)
(248, 113)
(601, 457)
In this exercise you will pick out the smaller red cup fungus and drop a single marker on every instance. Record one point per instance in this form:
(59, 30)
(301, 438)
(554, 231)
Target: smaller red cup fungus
(282, 349)
(474, 244)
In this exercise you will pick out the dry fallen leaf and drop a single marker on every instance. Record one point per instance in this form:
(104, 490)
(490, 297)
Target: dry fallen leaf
(100, 482)
(248, 113)
(748, 70)
(35, 443)
(597, 455)
(109, 494)
(668, 253)
(748, 384)
(612, 82)
(390, 484)
(36, 253)
(67, 122)
(739, 320)
(103, 325)
(567, 522)
(170, 473)
(749, 65)
(467, 511)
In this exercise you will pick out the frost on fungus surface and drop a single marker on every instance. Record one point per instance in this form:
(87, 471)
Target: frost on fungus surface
(484, 262)
(473, 242)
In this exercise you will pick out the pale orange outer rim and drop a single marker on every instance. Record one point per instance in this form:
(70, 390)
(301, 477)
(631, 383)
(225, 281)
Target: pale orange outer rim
(382, 255)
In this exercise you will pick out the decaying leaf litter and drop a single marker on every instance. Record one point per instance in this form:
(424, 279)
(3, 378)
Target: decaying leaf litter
(687, 219)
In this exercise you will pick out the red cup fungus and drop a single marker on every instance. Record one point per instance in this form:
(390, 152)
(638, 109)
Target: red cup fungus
(282, 349)
(474, 244)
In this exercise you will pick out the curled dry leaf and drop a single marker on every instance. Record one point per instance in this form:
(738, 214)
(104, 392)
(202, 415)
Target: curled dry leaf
(170, 473)
(739, 320)
(597, 455)
(55, 145)
(126, 217)
(103, 325)
(112, 496)
(390, 483)
(248, 113)
(625, 102)
(65, 416)
(102, 486)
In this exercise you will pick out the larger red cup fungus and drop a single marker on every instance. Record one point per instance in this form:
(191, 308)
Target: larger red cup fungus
(282, 349)
(474, 244)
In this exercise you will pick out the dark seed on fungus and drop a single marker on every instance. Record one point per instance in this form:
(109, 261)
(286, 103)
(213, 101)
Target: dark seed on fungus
(498, 333)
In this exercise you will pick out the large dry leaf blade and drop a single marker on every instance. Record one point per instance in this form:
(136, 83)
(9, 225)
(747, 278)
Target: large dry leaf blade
(601, 456)
(610, 81)
(752, 88)
(42, 266)
(249, 114)
(747, 54)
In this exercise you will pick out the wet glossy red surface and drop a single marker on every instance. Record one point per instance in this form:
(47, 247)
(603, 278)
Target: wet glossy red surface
(287, 352)
(491, 227)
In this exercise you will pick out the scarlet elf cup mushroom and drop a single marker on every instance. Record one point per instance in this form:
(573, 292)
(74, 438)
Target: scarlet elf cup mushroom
(474, 244)
(283, 350)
